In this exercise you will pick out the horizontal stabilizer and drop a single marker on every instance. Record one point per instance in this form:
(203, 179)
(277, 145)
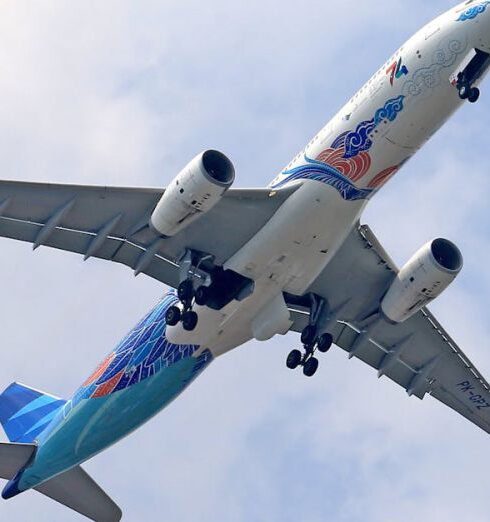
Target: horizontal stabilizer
(25, 412)
(14, 457)
(78, 491)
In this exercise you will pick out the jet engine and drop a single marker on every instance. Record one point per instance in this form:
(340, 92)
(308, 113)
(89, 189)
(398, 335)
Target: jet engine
(193, 192)
(423, 278)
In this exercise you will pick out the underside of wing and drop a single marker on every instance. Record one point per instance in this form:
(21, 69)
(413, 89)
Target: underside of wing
(418, 354)
(112, 223)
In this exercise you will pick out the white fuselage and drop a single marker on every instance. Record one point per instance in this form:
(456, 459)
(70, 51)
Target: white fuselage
(361, 148)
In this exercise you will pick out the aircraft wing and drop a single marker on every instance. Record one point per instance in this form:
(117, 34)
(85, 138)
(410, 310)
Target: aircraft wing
(417, 354)
(112, 223)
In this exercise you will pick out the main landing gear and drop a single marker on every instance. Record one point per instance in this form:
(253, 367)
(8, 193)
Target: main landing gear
(203, 283)
(188, 296)
(193, 289)
(311, 342)
(314, 337)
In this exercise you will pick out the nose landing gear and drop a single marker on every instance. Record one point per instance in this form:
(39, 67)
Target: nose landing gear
(470, 71)
(472, 94)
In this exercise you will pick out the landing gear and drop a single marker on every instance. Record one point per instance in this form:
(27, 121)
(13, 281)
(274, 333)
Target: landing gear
(473, 95)
(325, 342)
(313, 337)
(310, 367)
(311, 343)
(189, 320)
(465, 83)
(202, 296)
(464, 92)
(185, 292)
(185, 314)
(173, 316)
(294, 359)
(308, 335)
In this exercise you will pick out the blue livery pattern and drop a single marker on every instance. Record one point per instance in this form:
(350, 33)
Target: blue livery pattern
(25, 412)
(352, 147)
(472, 12)
(319, 171)
(141, 354)
(141, 376)
(354, 142)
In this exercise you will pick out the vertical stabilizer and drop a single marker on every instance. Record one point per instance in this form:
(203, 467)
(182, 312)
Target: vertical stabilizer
(25, 412)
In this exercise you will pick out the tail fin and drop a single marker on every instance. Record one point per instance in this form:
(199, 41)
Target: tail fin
(25, 412)
(78, 491)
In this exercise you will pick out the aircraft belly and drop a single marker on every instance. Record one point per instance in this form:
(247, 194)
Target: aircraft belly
(299, 240)
(97, 423)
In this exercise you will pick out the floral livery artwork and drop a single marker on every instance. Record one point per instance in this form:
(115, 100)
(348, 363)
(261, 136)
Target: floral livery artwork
(142, 354)
(472, 12)
(348, 159)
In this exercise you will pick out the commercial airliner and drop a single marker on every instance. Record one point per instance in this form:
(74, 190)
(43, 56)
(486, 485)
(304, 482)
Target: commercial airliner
(254, 263)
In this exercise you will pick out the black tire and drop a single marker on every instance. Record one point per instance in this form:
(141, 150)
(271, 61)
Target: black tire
(294, 359)
(189, 320)
(308, 335)
(185, 292)
(473, 95)
(202, 295)
(464, 92)
(173, 316)
(310, 367)
(325, 342)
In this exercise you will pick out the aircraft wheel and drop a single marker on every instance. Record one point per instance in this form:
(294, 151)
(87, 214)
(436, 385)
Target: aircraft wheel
(310, 367)
(473, 95)
(202, 295)
(464, 92)
(173, 316)
(308, 335)
(294, 359)
(325, 342)
(185, 292)
(189, 320)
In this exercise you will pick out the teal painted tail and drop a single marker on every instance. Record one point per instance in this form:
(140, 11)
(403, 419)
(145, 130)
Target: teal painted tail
(25, 412)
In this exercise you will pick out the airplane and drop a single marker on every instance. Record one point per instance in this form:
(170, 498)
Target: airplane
(248, 264)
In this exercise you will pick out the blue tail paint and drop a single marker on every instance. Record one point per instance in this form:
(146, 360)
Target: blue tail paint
(25, 412)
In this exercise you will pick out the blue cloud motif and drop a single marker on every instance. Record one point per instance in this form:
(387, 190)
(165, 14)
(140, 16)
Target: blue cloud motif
(390, 111)
(319, 171)
(473, 12)
(358, 141)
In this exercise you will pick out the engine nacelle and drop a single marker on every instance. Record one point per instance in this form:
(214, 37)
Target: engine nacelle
(428, 273)
(195, 191)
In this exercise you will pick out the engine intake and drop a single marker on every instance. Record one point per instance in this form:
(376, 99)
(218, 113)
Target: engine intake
(194, 191)
(423, 278)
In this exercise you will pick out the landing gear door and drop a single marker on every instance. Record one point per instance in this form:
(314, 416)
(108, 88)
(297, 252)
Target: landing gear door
(470, 69)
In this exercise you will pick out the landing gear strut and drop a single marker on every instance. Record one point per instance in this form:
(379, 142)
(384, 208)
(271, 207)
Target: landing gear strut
(311, 340)
(192, 276)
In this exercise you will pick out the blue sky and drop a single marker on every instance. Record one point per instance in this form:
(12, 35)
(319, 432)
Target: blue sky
(125, 93)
